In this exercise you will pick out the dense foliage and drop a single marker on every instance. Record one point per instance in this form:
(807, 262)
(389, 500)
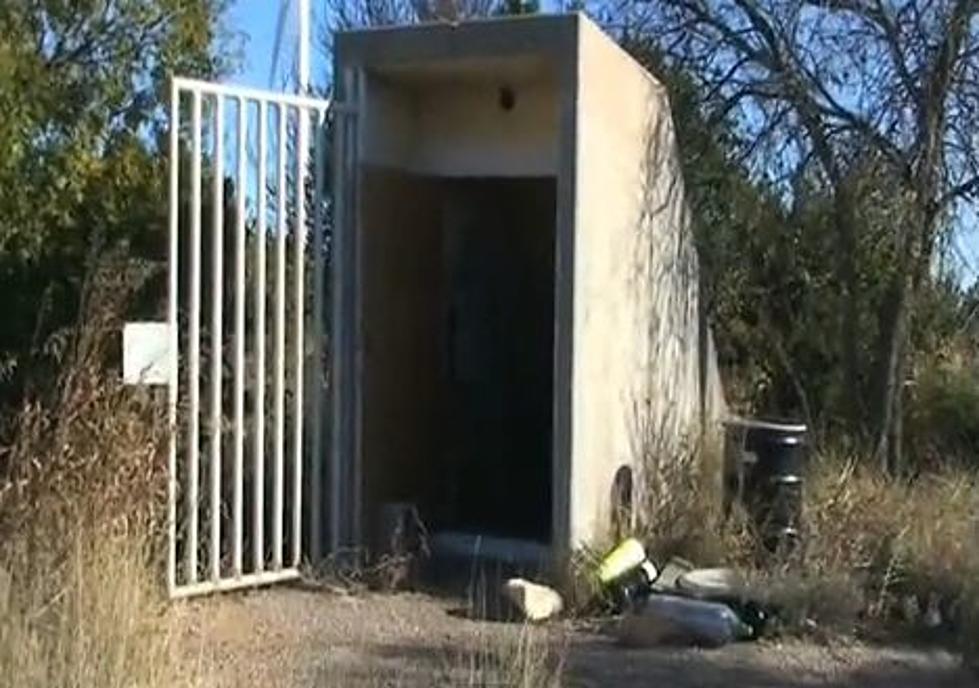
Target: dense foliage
(83, 87)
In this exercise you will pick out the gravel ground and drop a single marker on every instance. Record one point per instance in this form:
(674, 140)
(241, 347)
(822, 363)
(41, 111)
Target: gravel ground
(295, 637)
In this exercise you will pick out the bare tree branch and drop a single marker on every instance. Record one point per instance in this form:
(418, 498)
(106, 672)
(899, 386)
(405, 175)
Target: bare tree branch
(894, 85)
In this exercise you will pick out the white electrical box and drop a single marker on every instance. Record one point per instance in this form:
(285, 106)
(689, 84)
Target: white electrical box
(146, 353)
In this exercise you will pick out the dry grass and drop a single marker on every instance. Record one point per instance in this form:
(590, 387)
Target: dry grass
(525, 656)
(898, 538)
(681, 515)
(525, 659)
(96, 620)
(878, 552)
(81, 482)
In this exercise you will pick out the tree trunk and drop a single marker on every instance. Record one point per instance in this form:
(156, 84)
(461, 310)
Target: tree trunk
(890, 372)
(895, 445)
(847, 274)
(895, 331)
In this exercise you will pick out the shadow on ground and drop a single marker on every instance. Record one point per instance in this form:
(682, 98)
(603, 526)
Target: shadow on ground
(598, 662)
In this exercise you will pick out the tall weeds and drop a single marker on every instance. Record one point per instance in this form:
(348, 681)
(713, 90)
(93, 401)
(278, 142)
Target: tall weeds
(81, 486)
(876, 551)
(523, 659)
(92, 618)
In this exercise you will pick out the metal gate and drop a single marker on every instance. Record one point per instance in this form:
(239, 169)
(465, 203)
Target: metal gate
(248, 224)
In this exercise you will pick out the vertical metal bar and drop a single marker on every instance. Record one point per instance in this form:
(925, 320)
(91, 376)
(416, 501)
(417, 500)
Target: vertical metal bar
(358, 333)
(174, 341)
(239, 429)
(298, 398)
(194, 345)
(338, 373)
(316, 454)
(217, 315)
(280, 342)
(261, 237)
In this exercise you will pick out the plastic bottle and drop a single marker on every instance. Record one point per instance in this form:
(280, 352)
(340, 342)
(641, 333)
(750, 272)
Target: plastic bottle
(669, 619)
(628, 555)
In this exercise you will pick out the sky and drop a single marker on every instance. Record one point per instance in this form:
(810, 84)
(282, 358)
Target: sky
(254, 23)
(966, 248)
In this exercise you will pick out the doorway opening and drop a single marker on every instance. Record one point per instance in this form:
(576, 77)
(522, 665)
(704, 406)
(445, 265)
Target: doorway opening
(458, 327)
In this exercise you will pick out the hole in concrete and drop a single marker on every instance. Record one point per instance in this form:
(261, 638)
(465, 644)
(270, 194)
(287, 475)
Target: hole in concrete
(622, 490)
(508, 99)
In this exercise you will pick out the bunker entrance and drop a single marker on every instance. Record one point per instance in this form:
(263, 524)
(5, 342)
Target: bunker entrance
(458, 323)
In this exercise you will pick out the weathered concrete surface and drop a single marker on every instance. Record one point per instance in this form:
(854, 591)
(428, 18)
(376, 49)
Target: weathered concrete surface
(428, 122)
(402, 292)
(646, 387)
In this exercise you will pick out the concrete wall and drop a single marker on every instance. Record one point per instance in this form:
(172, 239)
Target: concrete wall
(390, 124)
(642, 373)
(457, 128)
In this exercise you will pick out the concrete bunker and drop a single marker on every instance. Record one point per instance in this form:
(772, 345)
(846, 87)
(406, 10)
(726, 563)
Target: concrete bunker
(516, 292)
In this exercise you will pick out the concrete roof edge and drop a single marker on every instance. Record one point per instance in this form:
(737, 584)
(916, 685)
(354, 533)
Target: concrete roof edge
(553, 17)
(503, 36)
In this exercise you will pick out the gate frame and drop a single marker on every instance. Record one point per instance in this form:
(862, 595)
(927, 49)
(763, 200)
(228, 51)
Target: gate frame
(287, 105)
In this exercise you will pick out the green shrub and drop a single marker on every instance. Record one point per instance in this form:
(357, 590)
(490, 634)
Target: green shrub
(943, 415)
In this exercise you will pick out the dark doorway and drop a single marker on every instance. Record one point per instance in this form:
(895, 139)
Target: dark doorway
(458, 351)
(498, 267)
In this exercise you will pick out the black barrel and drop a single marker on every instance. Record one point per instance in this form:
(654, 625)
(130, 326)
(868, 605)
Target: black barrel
(780, 448)
(773, 477)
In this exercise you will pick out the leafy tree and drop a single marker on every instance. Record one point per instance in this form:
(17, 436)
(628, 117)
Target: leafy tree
(83, 89)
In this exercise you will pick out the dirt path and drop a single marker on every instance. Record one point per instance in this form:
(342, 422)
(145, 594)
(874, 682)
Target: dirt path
(292, 637)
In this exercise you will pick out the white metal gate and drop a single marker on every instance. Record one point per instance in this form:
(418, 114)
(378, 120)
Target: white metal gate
(246, 220)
